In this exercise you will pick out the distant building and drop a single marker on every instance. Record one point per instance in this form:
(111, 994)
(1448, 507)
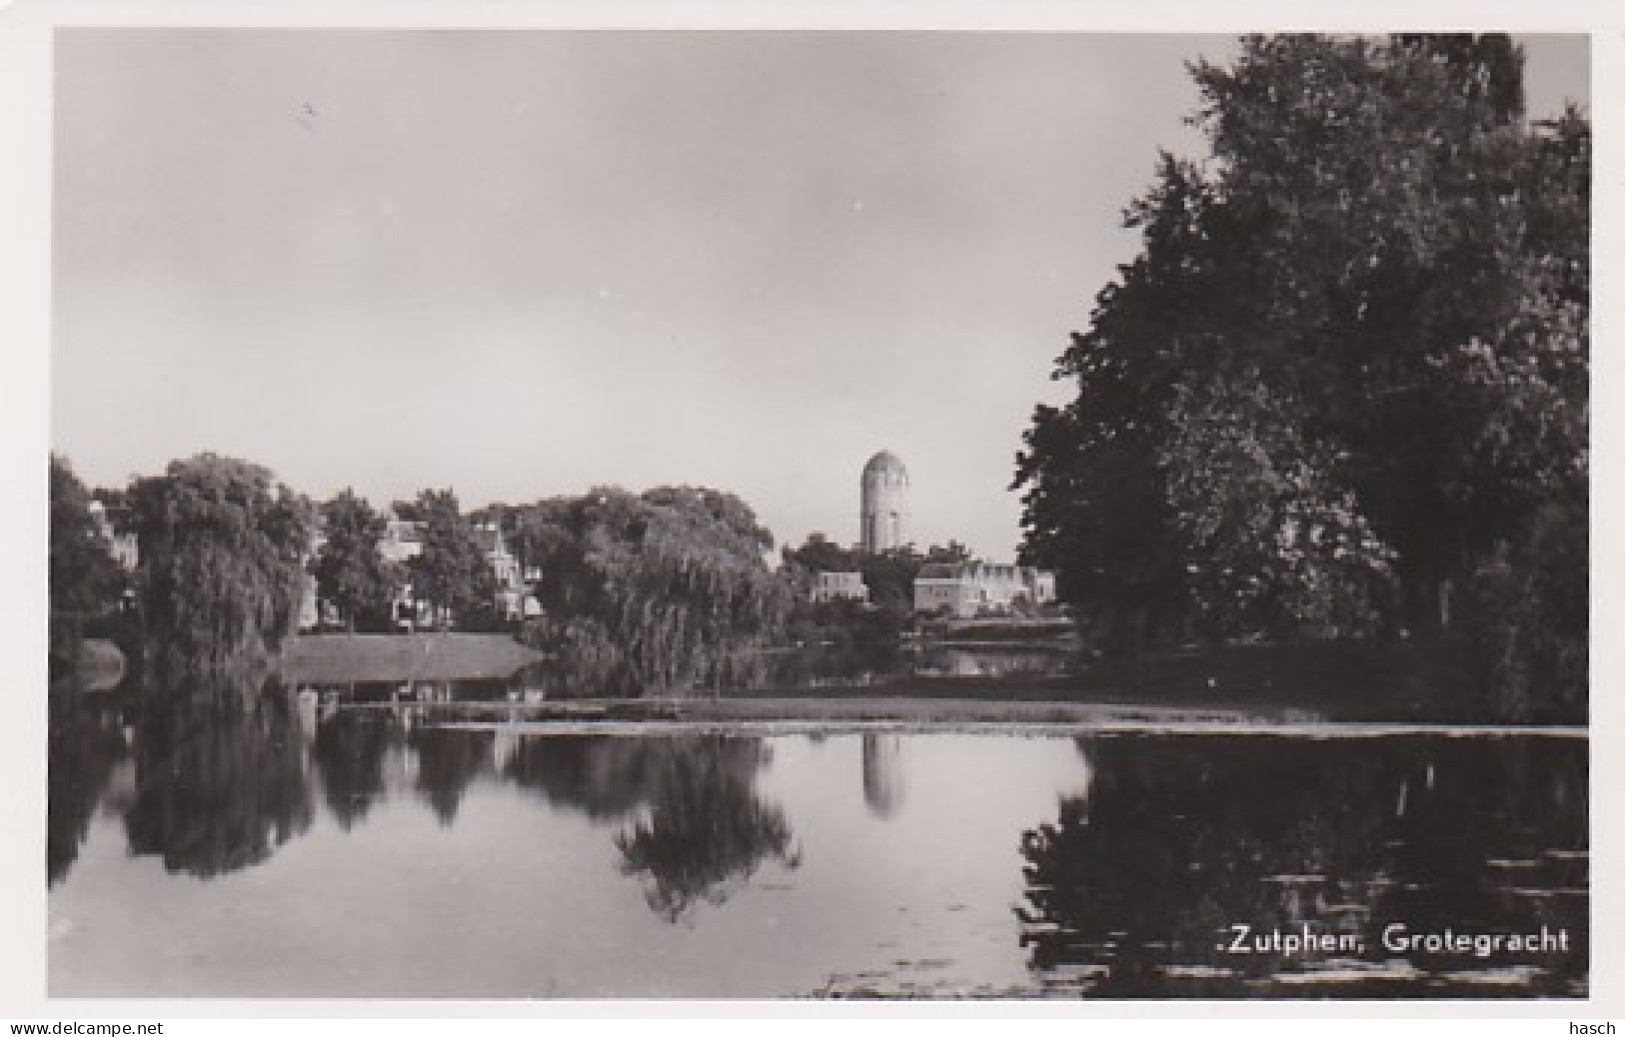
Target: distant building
(511, 588)
(838, 587)
(402, 540)
(311, 606)
(883, 513)
(967, 589)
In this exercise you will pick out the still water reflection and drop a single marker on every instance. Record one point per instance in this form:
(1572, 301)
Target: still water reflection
(255, 841)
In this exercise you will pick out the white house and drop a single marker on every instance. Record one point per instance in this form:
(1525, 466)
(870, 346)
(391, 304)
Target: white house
(967, 589)
(833, 586)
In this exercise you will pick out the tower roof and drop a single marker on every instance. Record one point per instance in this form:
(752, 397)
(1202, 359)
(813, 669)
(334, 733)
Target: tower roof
(885, 462)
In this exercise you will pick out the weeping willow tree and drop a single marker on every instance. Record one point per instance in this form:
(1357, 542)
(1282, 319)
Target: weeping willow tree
(667, 591)
(222, 563)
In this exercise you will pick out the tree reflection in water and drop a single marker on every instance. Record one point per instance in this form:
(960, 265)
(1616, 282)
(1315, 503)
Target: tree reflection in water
(349, 751)
(701, 830)
(220, 773)
(604, 777)
(706, 831)
(85, 742)
(448, 762)
(1134, 888)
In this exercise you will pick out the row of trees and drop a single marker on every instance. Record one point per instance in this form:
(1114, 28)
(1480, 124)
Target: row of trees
(224, 550)
(660, 591)
(1343, 388)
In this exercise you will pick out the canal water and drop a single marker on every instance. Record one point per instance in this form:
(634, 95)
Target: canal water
(267, 844)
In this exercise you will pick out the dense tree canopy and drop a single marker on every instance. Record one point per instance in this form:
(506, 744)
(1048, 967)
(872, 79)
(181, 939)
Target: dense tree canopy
(222, 567)
(1347, 371)
(349, 570)
(820, 554)
(451, 572)
(84, 579)
(656, 592)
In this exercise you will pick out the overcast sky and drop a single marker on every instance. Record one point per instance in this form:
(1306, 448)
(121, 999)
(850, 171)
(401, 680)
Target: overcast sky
(523, 263)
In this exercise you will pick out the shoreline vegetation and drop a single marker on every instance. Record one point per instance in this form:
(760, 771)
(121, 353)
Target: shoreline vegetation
(1271, 687)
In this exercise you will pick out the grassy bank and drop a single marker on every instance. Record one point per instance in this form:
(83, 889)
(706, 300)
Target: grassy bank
(1394, 680)
(343, 658)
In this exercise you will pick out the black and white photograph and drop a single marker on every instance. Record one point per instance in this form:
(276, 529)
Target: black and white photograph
(698, 514)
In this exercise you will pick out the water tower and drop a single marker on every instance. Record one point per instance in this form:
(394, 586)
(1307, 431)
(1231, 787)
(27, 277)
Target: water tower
(883, 519)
